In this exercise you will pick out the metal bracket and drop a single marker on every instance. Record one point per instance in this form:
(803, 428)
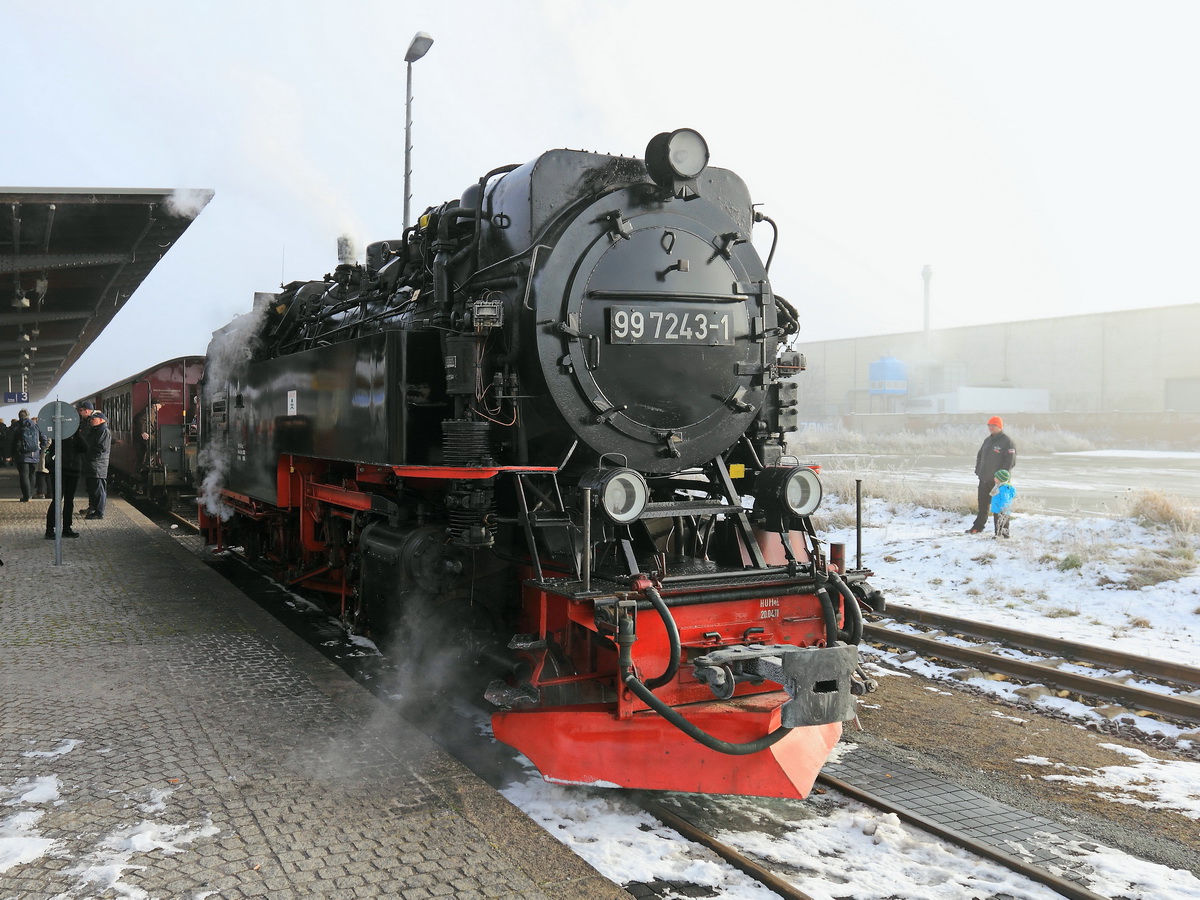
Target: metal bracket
(724, 244)
(670, 439)
(817, 679)
(619, 227)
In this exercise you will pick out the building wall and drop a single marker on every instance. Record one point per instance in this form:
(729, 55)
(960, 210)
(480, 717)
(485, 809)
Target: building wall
(1131, 361)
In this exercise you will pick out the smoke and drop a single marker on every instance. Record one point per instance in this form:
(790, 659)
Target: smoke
(229, 352)
(187, 203)
(212, 462)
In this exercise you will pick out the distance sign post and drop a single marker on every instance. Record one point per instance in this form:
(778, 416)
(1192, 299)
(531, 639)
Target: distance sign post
(62, 421)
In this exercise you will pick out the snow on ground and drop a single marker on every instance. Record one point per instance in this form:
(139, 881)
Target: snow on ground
(833, 848)
(99, 870)
(1165, 784)
(1065, 576)
(1060, 575)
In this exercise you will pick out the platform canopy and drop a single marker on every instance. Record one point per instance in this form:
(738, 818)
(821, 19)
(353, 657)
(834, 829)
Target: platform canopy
(69, 260)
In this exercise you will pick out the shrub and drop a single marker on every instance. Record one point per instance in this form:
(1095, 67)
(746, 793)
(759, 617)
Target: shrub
(1069, 562)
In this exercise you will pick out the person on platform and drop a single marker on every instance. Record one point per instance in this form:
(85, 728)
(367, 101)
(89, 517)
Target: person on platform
(98, 440)
(74, 454)
(41, 483)
(997, 452)
(145, 435)
(1002, 499)
(26, 443)
(4, 443)
(85, 408)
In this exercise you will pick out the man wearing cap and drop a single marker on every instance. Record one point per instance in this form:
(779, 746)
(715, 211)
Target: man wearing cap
(997, 452)
(97, 439)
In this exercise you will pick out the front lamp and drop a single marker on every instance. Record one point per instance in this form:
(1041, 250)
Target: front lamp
(787, 491)
(621, 494)
(679, 155)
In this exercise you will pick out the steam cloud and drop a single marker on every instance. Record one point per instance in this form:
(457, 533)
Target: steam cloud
(187, 203)
(230, 350)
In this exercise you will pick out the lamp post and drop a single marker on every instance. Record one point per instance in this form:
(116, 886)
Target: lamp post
(417, 48)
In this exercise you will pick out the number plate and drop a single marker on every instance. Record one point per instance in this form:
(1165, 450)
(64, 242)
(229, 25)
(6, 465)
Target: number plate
(669, 325)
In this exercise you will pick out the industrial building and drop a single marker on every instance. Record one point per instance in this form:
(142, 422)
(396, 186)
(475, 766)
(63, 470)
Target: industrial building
(1126, 373)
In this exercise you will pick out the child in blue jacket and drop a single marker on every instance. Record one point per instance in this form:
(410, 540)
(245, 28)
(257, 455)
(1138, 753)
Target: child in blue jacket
(1002, 498)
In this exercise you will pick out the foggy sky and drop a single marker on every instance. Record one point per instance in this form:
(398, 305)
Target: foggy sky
(1041, 157)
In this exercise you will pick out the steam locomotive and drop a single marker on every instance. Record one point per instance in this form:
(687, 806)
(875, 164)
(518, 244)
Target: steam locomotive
(547, 425)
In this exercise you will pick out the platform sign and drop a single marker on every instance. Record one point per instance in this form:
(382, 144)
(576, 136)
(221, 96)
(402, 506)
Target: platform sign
(57, 414)
(16, 396)
(58, 421)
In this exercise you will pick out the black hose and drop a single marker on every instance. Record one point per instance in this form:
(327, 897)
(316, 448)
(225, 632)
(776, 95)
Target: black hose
(827, 611)
(788, 313)
(696, 733)
(668, 621)
(854, 619)
(761, 217)
(625, 641)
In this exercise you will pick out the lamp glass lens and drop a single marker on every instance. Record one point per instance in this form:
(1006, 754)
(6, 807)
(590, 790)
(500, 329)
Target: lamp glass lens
(624, 496)
(802, 492)
(688, 153)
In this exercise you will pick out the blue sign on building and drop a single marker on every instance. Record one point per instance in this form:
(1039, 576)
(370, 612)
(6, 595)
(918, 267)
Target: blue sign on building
(887, 376)
(16, 397)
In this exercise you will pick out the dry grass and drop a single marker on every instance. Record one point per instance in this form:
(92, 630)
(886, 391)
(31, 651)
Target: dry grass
(1157, 508)
(1151, 567)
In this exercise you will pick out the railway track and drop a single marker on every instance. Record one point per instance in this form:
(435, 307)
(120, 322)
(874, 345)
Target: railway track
(1111, 676)
(676, 820)
(753, 868)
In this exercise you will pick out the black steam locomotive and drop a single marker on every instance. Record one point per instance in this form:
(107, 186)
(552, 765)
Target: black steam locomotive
(547, 425)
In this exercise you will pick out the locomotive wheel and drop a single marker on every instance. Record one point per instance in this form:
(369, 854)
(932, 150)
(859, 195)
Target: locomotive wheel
(556, 665)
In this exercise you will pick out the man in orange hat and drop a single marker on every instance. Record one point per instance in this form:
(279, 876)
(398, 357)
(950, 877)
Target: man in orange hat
(997, 452)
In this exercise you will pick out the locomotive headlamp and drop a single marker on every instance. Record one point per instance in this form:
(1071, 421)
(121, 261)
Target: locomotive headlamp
(678, 155)
(621, 494)
(787, 491)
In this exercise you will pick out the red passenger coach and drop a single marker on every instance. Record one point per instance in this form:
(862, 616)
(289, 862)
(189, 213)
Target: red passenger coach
(152, 416)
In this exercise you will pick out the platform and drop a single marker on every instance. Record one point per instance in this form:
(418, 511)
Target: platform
(161, 733)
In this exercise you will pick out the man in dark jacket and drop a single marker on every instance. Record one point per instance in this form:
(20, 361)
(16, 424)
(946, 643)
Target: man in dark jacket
(98, 440)
(74, 453)
(26, 444)
(997, 452)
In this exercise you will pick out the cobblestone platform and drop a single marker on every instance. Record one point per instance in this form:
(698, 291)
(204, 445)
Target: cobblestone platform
(162, 737)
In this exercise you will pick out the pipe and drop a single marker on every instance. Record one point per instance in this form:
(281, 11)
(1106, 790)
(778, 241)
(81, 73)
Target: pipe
(854, 619)
(763, 217)
(858, 522)
(694, 732)
(441, 278)
(625, 640)
(586, 562)
(827, 611)
(668, 621)
(730, 594)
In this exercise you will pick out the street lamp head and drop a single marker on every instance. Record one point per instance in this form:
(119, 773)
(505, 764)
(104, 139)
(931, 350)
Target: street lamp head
(419, 46)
